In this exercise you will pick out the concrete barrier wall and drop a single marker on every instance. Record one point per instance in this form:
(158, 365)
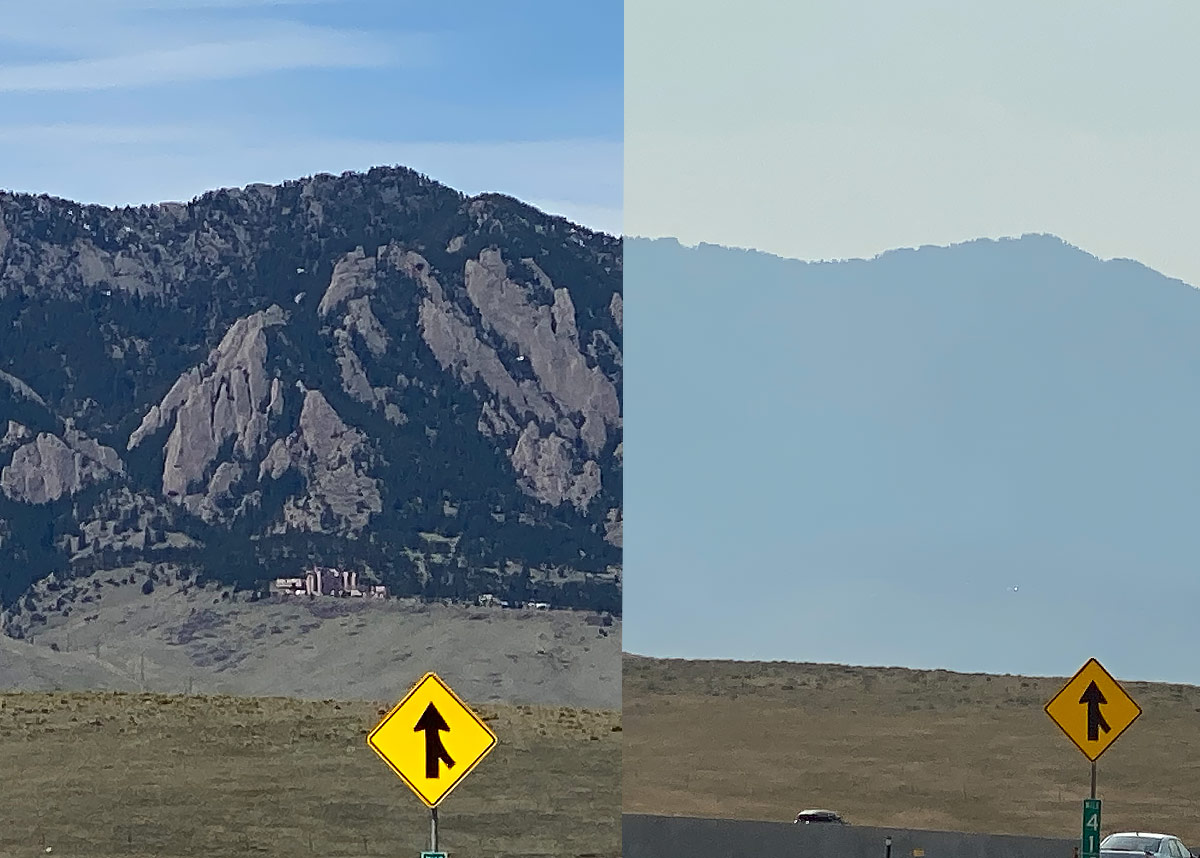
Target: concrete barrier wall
(684, 837)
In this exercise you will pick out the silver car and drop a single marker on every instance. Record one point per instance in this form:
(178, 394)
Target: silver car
(808, 817)
(1143, 844)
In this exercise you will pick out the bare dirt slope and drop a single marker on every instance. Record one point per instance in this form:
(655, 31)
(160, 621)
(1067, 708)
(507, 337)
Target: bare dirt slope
(176, 639)
(896, 748)
(106, 775)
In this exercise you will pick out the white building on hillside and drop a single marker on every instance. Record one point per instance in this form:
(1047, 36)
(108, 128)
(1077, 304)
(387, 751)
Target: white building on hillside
(328, 581)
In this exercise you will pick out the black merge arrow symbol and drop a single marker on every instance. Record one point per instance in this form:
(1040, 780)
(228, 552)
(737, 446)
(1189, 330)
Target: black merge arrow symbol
(432, 724)
(1094, 699)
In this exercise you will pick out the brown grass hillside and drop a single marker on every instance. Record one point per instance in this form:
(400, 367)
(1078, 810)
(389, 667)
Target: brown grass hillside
(113, 774)
(185, 639)
(897, 748)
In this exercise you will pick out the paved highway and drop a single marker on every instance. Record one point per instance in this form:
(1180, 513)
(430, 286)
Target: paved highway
(684, 837)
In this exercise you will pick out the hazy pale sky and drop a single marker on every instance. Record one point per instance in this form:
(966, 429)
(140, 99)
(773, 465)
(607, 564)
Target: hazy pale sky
(836, 130)
(135, 101)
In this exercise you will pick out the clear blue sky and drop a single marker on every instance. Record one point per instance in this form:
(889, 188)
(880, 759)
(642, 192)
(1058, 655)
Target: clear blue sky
(132, 101)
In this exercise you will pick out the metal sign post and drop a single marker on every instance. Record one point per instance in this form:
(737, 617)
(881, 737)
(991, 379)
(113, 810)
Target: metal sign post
(1093, 710)
(433, 839)
(432, 740)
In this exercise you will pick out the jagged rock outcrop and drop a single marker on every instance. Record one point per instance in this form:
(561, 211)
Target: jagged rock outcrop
(14, 436)
(614, 526)
(233, 400)
(349, 291)
(575, 400)
(548, 469)
(231, 397)
(353, 275)
(547, 337)
(22, 388)
(330, 455)
(567, 393)
(49, 468)
(453, 340)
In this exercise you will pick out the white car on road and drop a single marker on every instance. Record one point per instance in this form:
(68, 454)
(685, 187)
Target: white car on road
(1143, 844)
(808, 817)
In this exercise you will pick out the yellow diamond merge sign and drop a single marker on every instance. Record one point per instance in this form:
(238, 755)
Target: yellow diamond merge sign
(431, 739)
(1093, 709)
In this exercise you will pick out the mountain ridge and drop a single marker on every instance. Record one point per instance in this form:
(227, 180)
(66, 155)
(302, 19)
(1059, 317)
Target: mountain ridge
(940, 444)
(1030, 237)
(369, 369)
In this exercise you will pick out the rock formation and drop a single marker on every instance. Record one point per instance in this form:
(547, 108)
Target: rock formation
(439, 403)
(229, 398)
(330, 455)
(49, 468)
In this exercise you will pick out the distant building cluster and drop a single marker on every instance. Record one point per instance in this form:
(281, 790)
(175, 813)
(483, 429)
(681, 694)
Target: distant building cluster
(487, 600)
(341, 583)
(327, 581)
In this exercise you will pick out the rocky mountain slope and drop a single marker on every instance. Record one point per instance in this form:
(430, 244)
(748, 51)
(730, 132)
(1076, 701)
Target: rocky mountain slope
(368, 370)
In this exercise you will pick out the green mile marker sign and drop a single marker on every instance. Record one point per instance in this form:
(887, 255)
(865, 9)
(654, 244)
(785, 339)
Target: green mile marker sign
(1091, 829)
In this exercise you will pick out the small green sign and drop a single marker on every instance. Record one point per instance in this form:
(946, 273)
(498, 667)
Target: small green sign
(1091, 829)
(433, 855)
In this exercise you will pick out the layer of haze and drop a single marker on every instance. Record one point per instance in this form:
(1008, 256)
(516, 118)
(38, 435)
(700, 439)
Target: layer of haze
(134, 101)
(982, 458)
(840, 130)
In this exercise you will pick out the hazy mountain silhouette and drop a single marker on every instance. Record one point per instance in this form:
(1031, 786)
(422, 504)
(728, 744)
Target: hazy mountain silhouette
(865, 457)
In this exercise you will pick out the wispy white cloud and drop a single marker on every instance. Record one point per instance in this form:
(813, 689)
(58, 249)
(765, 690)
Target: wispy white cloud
(109, 44)
(72, 134)
(94, 28)
(288, 49)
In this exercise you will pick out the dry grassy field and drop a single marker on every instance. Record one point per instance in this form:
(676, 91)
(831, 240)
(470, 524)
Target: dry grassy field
(182, 639)
(117, 774)
(896, 748)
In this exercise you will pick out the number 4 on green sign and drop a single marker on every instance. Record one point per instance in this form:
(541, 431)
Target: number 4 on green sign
(1091, 829)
